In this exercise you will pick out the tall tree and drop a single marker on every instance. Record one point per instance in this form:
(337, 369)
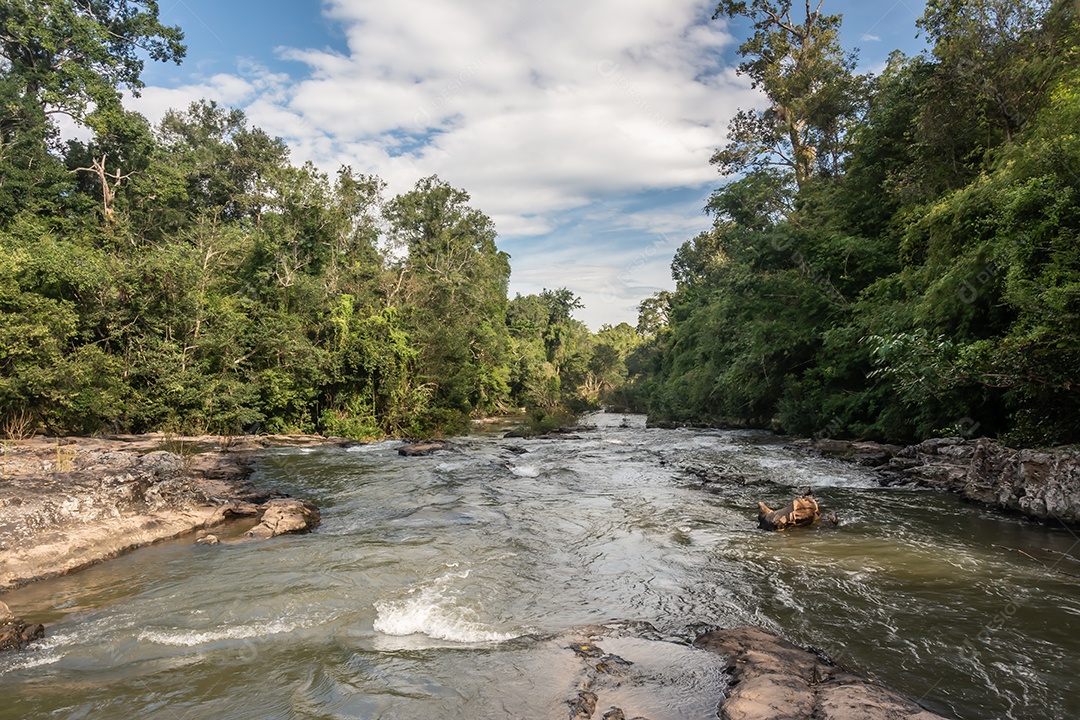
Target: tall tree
(807, 77)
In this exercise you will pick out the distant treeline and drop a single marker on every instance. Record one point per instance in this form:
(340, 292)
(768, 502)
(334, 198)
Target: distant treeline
(900, 254)
(189, 278)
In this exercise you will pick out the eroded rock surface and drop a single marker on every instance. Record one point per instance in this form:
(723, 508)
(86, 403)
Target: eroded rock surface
(425, 448)
(1043, 484)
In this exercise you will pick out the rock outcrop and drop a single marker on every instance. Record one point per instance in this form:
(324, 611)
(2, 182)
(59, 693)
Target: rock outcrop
(566, 432)
(1043, 484)
(773, 679)
(72, 503)
(860, 452)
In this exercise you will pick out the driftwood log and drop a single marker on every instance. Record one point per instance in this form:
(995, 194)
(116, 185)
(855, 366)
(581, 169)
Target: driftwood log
(802, 510)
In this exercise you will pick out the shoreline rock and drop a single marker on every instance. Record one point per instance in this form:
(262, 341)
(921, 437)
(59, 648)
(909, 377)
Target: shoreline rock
(1038, 484)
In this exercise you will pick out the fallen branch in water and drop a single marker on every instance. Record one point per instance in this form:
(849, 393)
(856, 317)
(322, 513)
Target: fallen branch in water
(1061, 554)
(1051, 568)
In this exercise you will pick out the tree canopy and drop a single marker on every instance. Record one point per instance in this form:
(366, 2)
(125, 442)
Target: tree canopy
(923, 280)
(190, 277)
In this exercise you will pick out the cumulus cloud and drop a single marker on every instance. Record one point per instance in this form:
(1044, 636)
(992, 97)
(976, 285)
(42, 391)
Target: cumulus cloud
(536, 108)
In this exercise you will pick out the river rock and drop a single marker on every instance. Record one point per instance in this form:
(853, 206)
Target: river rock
(15, 634)
(773, 679)
(285, 516)
(861, 452)
(66, 505)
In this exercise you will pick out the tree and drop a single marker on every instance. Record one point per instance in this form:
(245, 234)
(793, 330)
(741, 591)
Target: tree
(70, 56)
(993, 55)
(452, 285)
(807, 78)
(653, 313)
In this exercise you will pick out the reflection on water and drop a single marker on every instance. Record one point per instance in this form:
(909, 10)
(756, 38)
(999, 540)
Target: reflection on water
(448, 586)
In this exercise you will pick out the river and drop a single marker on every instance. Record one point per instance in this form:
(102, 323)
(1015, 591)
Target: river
(447, 587)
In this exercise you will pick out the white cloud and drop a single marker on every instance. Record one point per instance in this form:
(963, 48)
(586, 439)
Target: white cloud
(229, 90)
(535, 108)
(867, 37)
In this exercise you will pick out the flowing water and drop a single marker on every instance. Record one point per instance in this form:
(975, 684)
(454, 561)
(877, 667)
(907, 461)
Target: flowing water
(450, 586)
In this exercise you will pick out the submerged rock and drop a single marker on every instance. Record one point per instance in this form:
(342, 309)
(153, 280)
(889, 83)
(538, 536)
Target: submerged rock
(425, 448)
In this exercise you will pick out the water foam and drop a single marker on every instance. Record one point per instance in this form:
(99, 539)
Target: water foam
(32, 661)
(433, 610)
(190, 638)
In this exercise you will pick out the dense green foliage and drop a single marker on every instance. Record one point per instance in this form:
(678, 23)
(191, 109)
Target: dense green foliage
(189, 277)
(901, 255)
(897, 257)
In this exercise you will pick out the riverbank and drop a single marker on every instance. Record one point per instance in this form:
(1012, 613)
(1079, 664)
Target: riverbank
(69, 503)
(1040, 484)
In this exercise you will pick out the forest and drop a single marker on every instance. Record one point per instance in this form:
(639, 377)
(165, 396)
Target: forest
(188, 277)
(891, 256)
(897, 256)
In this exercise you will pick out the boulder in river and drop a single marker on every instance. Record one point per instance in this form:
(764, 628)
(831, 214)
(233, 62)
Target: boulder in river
(286, 515)
(800, 511)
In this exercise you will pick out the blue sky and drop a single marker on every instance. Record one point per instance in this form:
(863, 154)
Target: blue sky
(583, 128)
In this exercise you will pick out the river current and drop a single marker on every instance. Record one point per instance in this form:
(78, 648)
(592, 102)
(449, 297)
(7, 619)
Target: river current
(450, 586)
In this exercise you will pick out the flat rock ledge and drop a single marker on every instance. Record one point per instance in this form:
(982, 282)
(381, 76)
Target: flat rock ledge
(773, 679)
(1042, 484)
(75, 503)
